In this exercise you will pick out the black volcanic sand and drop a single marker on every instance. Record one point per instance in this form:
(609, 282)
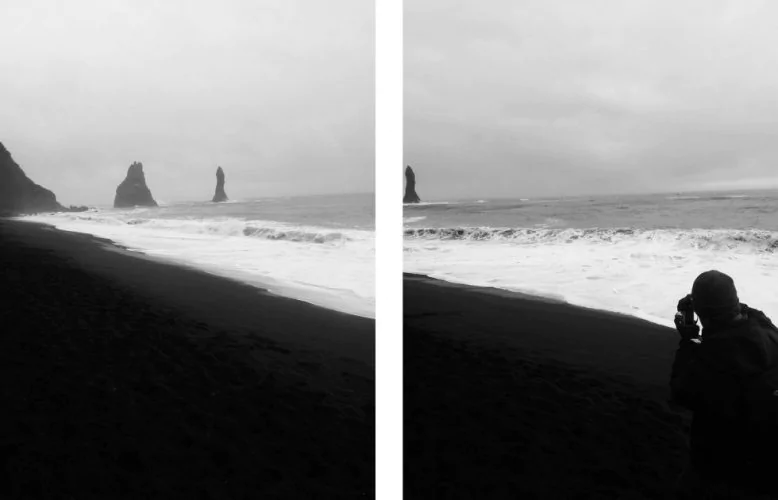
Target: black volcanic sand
(512, 397)
(124, 377)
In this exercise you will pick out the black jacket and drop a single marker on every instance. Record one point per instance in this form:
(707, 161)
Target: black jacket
(709, 378)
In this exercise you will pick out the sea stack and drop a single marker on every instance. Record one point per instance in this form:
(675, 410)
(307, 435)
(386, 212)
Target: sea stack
(410, 187)
(220, 195)
(133, 192)
(19, 194)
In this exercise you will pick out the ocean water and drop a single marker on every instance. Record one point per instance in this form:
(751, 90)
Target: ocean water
(635, 255)
(319, 249)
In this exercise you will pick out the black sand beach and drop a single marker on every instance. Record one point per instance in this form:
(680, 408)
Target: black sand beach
(123, 377)
(507, 396)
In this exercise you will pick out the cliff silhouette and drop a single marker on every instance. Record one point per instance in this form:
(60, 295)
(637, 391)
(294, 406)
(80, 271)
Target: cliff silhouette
(133, 191)
(18, 193)
(410, 187)
(219, 195)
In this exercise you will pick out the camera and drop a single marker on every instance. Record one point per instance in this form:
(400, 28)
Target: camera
(685, 314)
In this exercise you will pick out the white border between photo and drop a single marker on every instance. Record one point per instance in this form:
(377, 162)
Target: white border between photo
(388, 177)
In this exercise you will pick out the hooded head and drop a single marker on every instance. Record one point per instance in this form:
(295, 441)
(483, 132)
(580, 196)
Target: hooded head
(714, 297)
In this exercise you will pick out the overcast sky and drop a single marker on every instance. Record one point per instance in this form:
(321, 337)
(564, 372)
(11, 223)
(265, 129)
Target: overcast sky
(280, 93)
(523, 98)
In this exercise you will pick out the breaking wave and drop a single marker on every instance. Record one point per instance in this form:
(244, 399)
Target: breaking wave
(744, 240)
(428, 204)
(268, 230)
(640, 272)
(331, 267)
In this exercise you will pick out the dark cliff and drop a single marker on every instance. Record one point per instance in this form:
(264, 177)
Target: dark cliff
(19, 194)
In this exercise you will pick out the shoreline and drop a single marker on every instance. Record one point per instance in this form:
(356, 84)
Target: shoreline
(108, 258)
(265, 285)
(489, 308)
(341, 298)
(125, 377)
(549, 297)
(504, 292)
(510, 396)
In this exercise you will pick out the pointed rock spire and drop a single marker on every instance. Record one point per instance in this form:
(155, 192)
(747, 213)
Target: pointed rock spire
(410, 187)
(219, 195)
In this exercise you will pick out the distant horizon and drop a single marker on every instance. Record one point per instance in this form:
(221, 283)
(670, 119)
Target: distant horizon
(210, 172)
(163, 202)
(434, 198)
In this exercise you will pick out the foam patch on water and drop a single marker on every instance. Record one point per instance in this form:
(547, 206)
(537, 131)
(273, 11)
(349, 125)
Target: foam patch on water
(428, 204)
(629, 271)
(333, 268)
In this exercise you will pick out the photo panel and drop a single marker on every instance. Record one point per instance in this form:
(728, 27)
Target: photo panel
(188, 243)
(589, 225)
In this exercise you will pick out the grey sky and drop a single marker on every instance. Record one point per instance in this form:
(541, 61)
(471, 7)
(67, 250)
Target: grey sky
(523, 98)
(278, 92)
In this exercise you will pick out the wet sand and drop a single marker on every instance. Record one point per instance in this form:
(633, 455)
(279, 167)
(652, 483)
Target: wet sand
(508, 396)
(126, 377)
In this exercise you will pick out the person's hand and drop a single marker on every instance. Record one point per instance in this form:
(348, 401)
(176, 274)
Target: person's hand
(687, 331)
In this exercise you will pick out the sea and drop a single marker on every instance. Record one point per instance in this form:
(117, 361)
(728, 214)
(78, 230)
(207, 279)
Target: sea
(318, 249)
(635, 254)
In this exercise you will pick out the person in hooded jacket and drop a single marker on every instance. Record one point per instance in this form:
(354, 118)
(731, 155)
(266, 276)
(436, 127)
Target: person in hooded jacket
(723, 377)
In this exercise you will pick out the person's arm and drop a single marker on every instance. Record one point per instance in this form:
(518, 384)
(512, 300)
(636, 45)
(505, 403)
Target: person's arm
(699, 380)
(684, 376)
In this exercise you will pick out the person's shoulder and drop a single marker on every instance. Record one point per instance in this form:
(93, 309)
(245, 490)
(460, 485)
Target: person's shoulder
(761, 328)
(742, 348)
(759, 317)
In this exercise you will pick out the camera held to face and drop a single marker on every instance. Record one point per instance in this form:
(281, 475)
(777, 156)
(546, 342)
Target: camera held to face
(685, 314)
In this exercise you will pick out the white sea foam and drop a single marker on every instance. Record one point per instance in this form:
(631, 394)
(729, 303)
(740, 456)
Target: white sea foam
(428, 203)
(709, 197)
(637, 272)
(333, 268)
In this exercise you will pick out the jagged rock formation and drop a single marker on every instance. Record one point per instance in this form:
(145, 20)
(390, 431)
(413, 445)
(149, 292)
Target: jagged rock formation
(410, 187)
(133, 192)
(19, 194)
(220, 195)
